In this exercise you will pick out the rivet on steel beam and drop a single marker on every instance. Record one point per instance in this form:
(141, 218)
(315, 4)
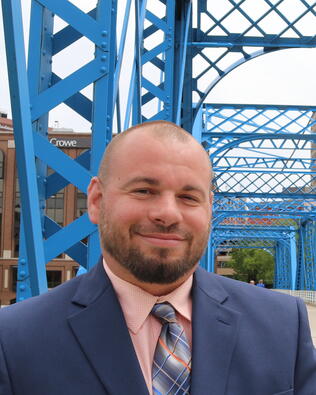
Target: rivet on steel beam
(104, 33)
(103, 58)
(22, 261)
(103, 69)
(22, 287)
(103, 44)
(22, 273)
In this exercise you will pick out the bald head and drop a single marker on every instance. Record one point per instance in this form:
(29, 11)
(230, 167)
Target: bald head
(163, 131)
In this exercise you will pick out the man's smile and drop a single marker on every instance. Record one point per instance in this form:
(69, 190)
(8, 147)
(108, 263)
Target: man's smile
(162, 239)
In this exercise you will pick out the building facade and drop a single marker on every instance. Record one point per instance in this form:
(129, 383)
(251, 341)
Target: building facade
(63, 208)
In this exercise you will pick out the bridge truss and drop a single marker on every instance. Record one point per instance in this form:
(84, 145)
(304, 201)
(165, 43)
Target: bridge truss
(263, 155)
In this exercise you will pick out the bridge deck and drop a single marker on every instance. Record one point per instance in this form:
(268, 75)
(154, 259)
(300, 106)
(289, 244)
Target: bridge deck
(312, 320)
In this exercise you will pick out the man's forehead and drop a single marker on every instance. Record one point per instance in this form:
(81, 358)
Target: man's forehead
(144, 145)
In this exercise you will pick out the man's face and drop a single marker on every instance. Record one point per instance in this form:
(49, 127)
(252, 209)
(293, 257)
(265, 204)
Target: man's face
(155, 211)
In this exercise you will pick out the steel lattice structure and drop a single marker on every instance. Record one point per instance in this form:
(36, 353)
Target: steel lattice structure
(263, 156)
(265, 176)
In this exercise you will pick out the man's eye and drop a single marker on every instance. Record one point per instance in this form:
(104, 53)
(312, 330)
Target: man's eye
(189, 198)
(142, 191)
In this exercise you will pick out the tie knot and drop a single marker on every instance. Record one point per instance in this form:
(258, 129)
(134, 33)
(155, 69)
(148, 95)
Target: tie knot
(164, 312)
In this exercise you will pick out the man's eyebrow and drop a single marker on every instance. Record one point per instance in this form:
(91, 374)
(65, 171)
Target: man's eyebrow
(144, 180)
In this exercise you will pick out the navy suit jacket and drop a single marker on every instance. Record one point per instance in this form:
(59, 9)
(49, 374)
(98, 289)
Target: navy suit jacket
(73, 340)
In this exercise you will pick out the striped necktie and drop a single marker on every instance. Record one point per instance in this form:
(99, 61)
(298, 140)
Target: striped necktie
(172, 359)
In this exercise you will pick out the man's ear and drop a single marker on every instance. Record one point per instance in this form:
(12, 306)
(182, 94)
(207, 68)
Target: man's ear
(211, 197)
(94, 199)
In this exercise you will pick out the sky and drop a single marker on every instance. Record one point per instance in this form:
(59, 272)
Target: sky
(283, 77)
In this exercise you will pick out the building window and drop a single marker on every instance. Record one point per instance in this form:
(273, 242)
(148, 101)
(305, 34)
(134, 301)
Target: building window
(80, 198)
(74, 271)
(55, 205)
(81, 203)
(54, 278)
(81, 207)
(14, 278)
(54, 210)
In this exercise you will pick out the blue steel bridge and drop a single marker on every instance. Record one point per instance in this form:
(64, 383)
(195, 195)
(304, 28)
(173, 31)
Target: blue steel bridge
(263, 155)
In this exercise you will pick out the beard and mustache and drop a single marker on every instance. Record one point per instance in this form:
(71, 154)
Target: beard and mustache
(158, 266)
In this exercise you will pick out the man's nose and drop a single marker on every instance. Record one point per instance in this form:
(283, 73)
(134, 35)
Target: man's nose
(165, 211)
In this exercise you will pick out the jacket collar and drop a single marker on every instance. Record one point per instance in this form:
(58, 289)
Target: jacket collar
(97, 322)
(214, 334)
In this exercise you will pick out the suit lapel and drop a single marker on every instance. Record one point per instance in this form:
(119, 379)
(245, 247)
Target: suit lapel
(99, 326)
(214, 334)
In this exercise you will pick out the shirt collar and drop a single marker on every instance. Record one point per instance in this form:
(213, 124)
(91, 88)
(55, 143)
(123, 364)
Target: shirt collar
(137, 303)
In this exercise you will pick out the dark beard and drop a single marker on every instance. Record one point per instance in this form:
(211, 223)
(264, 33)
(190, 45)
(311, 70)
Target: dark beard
(158, 269)
(152, 270)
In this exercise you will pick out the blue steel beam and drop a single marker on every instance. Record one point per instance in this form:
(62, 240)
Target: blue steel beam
(24, 148)
(185, 17)
(103, 102)
(226, 42)
(30, 113)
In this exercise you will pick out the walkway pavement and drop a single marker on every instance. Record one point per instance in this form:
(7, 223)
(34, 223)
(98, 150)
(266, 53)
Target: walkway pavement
(312, 320)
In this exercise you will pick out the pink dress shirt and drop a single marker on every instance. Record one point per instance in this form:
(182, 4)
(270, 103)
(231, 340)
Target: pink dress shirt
(144, 328)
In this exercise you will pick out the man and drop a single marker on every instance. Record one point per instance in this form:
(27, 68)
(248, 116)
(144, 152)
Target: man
(96, 334)
(261, 284)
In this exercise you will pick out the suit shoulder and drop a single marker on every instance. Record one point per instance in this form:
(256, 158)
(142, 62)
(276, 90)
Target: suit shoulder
(60, 302)
(47, 302)
(244, 295)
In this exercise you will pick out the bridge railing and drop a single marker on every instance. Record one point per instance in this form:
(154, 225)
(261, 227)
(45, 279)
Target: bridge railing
(308, 296)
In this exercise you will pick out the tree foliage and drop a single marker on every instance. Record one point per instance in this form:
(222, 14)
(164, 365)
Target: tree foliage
(252, 264)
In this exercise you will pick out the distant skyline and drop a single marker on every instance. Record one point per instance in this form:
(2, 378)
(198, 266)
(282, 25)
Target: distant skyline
(282, 77)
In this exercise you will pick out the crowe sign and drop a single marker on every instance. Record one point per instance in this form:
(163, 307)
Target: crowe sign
(62, 142)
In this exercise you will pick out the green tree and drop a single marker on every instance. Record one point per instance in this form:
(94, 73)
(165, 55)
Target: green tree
(252, 264)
